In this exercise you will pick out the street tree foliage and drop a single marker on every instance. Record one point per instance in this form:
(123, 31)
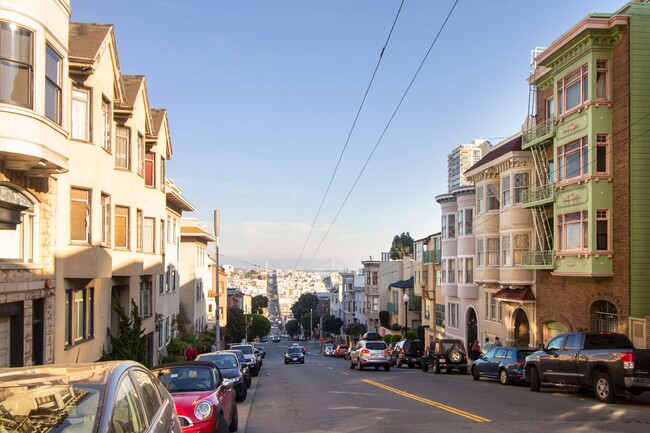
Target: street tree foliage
(355, 330)
(402, 245)
(293, 327)
(130, 342)
(309, 322)
(259, 303)
(332, 324)
(258, 326)
(303, 305)
(235, 330)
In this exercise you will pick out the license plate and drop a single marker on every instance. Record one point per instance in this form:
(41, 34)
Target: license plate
(294, 359)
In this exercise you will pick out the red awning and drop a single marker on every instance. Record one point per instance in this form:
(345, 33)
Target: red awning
(524, 294)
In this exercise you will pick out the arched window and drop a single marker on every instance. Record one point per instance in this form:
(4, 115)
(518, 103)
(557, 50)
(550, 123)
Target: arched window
(604, 317)
(18, 226)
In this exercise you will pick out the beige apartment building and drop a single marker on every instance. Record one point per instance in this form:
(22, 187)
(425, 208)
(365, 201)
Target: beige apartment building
(34, 123)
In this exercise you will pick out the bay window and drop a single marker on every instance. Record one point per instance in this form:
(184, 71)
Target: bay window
(492, 251)
(602, 229)
(16, 65)
(522, 182)
(53, 84)
(492, 196)
(573, 90)
(573, 160)
(573, 232)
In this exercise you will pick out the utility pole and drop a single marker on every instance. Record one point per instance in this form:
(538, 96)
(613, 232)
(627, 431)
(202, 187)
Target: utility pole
(311, 324)
(216, 298)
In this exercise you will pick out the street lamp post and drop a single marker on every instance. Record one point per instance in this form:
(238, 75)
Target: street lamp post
(217, 342)
(311, 324)
(406, 309)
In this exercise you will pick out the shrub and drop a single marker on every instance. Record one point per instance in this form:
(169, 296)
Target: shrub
(395, 327)
(387, 338)
(411, 334)
(394, 338)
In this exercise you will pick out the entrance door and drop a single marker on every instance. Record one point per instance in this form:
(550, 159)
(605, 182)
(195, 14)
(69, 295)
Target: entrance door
(522, 329)
(472, 328)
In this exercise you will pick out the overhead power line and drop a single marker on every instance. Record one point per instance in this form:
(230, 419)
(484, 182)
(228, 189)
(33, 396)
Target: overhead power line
(329, 185)
(417, 72)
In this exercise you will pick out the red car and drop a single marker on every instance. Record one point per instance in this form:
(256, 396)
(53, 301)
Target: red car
(341, 351)
(204, 400)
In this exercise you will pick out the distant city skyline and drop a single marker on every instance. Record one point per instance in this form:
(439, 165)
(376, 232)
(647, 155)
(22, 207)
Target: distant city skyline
(262, 96)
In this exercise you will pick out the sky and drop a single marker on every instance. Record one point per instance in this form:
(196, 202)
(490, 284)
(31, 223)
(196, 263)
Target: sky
(262, 96)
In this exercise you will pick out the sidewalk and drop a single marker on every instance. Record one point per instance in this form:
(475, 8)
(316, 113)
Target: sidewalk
(244, 408)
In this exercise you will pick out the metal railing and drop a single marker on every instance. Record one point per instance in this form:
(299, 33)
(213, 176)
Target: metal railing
(539, 130)
(538, 259)
(541, 193)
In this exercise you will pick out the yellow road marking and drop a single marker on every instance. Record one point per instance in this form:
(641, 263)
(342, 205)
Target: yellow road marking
(429, 402)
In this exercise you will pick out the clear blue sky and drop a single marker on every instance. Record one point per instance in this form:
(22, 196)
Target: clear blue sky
(262, 95)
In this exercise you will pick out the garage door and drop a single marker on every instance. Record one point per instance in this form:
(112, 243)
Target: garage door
(4, 341)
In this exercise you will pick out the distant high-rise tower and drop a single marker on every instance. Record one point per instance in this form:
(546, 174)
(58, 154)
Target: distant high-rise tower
(461, 159)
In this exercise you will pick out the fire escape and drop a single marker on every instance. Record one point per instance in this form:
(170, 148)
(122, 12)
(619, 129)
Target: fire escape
(538, 138)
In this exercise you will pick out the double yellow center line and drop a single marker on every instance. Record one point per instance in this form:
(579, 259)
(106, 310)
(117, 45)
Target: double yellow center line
(429, 402)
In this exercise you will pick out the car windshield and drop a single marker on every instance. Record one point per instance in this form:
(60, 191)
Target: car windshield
(248, 350)
(221, 361)
(186, 378)
(51, 408)
(294, 350)
(377, 345)
(238, 354)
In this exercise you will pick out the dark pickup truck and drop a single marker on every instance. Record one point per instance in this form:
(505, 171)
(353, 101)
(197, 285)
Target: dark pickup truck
(606, 362)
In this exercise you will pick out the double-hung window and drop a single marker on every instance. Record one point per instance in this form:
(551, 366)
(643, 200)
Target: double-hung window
(79, 215)
(122, 147)
(107, 125)
(522, 245)
(480, 200)
(522, 182)
(573, 234)
(506, 254)
(480, 253)
(149, 235)
(53, 84)
(573, 90)
(492, 251)
(492, 196)
(451, 271)
(469, 270)
(106, 220)
(121, 227)
(602, 229)
(139, 230)
(80, 114)
(573, 160)
(602, 154)
(493, 308)
(465, 222)
(602, 79)
(505, 190)
(79, 312)
(452, 314)
(16, 65)
(146, 301)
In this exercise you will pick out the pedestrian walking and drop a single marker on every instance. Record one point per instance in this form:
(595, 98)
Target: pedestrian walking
(497, 343)
(213, 348)
(487, 345)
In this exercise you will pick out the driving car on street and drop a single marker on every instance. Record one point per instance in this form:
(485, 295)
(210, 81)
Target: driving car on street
(294, 354)
(204, 400)
(229, 368)
(370, 353)
(112, 396)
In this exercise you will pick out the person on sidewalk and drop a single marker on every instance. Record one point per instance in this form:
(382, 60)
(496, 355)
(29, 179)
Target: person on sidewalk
(487, 345)
(497, 343)
(475, 351)
(190, 353)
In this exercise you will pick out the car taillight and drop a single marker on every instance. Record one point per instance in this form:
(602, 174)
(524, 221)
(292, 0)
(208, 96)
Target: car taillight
(365, 351)
(442, 357)
(519, 362)
(387, 352)
(403, 351)
(628, 360)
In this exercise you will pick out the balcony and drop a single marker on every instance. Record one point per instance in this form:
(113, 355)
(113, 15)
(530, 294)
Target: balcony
(538, 134)
(538, 259)
(538, 196)
(427, 257)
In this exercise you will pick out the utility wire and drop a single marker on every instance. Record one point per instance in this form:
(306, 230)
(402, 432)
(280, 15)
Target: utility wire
(329, 185)
(384, 131)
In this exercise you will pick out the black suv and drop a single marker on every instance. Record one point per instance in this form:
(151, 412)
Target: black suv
(447, 354)
(407, 352)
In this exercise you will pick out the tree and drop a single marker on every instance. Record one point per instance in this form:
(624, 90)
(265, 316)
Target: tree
(258, 326)
(305, 303)
(384, 318)
(235, 329)
(310, 321)
(293, 327)
(355, 330)
(259, 303)
(130, 342)
(332, 324)
(402, 245)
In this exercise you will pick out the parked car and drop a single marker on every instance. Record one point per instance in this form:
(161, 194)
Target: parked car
(341, 351)
(445, 354)
(115, 396)
(204, 400)
(254, 361)
(261, 350)
(294, 354)
(244, 366)
(604, 361)
(503, 363)
(370, 353)
(407, 352)
(229, 367)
